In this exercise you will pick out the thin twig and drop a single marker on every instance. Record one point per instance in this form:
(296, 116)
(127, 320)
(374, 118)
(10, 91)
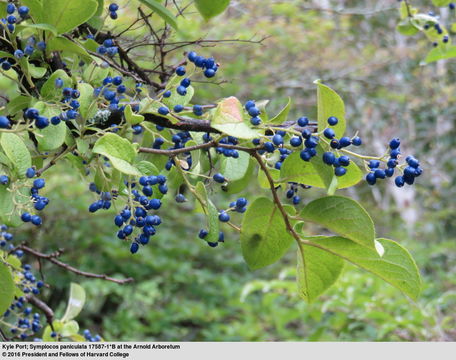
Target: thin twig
(52, 258)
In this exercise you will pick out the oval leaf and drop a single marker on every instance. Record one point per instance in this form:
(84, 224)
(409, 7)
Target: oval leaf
(317, 270)
(6, 288)
(330, 104)
(75, 302)
(396, 266)
(210, 8)
(264, 238)
(17, 152)
(344, 216)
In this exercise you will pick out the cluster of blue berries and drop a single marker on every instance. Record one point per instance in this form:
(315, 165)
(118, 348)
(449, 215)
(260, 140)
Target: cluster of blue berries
(11, 20)
(33, 114)
(229, 140)
(23, 323)
(238, 206)
(103, 203)
(339, 163)
(140, 217)
(89, 337)
(5, 238)
(410, 172)
(108, 48)
(209, 65)
(292, 192)
(113, 11)
(112, 90)
(38, 202)
(253, 112)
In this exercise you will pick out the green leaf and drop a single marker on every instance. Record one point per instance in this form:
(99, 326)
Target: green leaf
(176, 99)
(52, 136)
(235, 168)
(396, 266)
(211, 213)
(66, 45)
(88, 107)
(49, 91)
(263, 180)
(147, 168)
(441, 3)
(75, 302)
(264, 237)
(45, 27)
(211, 8)
(161, 11)
(17, 152)
(131, 117)
(236, 186)
(120, 152)
(36, 9)
(67, 15)
(228, 118)
(330, 104)
(317, 270)
(282, 116)
(344, 216)
(441, 52)
(70, 328)
(406, 27)
(57, 325)
(6, 288)
(314, 172)
(18, 104)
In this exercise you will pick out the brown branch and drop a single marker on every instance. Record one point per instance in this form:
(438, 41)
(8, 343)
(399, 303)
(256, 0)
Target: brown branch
(276, 196)
(213, 143)
(48, 312)
(53, 161)
(52, 258)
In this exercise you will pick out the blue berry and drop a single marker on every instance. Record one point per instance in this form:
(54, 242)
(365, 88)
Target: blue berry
(253, 111)
(305, 155)
(185, 83)
(4, 180)
(295, 141)
(23, 11)
(379, 174)
(303, 121)
(277, 139)
(344, 141)
(392, 163)
(41, 122)
(389, 172)
(333, 120)
(344, 160)
(178, 108)
(180, 71)
(10, 8)
(18, 54)
(219, 178)
(373, 164)
(198, 110)
(311, 142)
(340, 171)
(357, 141)
(36, 220)
(394, 144)
(224, 216)
(155, 204)
(296, 200)
(163, 110)
(4, 122)
(249, 104)
(134, 247)
(209, 73)
(329, 133)
(329, 158)
(255, 121)
(371, 179)
(180, 198)
(181, 90)
(39, 183)
(26, 217)
(192, 56)
(399, 181)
